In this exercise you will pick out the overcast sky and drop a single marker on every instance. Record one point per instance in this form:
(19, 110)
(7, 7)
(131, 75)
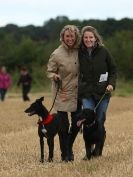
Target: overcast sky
(36, 12)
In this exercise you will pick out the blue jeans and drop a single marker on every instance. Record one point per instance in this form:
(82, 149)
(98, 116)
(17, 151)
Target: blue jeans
(91, 103)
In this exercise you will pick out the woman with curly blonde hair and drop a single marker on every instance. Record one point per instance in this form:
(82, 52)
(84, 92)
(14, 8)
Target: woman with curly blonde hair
(63, 65)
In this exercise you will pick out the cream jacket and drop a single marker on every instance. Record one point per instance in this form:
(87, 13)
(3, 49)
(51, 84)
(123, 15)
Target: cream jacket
(64, 61)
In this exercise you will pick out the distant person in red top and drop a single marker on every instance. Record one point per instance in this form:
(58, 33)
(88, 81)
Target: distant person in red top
(5, 82)
(25, 81)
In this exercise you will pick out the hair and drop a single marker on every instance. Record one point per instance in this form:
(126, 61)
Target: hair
(71, 28)
(24, 69)
(3, 68)
(95, 32)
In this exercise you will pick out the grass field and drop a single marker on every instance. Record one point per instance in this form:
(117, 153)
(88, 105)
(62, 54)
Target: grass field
(19, 144)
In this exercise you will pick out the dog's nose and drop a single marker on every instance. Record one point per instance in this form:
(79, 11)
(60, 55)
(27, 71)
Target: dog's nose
(26, 111)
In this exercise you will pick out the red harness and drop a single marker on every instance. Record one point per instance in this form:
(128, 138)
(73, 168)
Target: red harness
(47, 120)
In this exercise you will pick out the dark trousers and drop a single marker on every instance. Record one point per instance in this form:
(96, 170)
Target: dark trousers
(2, 93)
(73, 131)
(67, 136)
(63, 134)
(25, 91)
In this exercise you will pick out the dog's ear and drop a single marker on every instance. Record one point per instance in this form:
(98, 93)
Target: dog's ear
(42, 98)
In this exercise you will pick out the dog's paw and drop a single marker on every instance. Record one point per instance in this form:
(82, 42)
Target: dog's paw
(50, 160)
(65, 159)
(42, 160)
(86, 158)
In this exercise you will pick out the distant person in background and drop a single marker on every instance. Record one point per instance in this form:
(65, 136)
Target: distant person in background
(5, 82)
(25, 81)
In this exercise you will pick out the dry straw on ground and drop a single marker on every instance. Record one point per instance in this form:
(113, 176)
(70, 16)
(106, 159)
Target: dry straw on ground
(19, 144)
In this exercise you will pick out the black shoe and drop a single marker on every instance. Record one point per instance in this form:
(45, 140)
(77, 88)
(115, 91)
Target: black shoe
(71, 157)
(64, 159)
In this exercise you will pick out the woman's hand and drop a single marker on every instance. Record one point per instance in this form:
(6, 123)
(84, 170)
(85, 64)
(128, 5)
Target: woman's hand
(56, 77)
(109, 88)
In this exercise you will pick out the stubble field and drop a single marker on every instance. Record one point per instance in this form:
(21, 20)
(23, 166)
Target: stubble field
(19, 144)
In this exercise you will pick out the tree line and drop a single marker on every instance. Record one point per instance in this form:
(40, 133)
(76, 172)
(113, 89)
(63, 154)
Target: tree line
(32, 45)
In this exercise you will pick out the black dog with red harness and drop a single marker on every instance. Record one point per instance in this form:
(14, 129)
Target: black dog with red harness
(48, 126)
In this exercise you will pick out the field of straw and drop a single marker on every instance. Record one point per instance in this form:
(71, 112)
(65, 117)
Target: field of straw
(20, 152)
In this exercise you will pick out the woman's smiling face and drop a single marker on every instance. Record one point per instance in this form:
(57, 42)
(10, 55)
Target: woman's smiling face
(89, 39)
(69, 38)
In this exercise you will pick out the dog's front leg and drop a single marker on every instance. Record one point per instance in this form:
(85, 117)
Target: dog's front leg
(102, 144)
(88, 151)
(97, 150)
(42, 149)
(50, 141)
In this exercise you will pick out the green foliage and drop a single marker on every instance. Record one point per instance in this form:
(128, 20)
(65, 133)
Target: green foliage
(40, 80)
(26, 53)
(121, 46)
(7, 50)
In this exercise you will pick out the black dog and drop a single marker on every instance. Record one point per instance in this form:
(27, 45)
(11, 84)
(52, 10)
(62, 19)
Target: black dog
(94, 135)
(50, 123)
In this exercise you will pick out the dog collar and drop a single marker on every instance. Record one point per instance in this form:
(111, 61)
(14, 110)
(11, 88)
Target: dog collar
(47, 120)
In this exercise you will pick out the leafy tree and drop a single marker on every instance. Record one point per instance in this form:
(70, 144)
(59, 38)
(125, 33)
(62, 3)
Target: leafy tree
(32, 46)
(121, 45)
(26, 53)
(7, 51)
